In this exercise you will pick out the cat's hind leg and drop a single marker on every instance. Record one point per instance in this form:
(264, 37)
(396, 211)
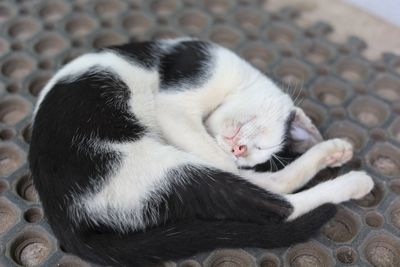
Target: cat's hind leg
(353, 185)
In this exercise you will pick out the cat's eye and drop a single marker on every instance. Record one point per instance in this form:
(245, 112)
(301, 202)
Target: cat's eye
(259, 148)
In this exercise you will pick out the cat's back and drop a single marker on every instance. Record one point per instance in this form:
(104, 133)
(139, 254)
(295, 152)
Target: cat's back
(90, 104)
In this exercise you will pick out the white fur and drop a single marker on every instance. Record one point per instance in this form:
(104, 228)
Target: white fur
(142, 176)
(235, 90)
(352, 185)
(329, 153)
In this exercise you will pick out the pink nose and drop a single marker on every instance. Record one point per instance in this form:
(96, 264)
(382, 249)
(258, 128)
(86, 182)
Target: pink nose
(239, 150)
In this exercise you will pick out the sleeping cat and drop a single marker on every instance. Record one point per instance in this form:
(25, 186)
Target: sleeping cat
(140, 154)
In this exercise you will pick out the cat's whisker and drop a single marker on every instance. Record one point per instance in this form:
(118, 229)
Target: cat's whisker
(284, 158)
(278, 160)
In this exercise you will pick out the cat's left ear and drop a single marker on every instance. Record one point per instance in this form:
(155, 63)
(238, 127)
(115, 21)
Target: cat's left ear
(303, 132)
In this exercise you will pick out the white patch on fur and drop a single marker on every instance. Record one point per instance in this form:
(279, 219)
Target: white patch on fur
(140, 179)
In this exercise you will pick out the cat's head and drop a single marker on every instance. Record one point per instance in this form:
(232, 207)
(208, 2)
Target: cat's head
(252, 135)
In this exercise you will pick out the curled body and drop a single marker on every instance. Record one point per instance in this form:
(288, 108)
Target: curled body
(141, 153)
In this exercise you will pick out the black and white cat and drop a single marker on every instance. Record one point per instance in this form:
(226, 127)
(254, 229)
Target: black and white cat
(139, 155)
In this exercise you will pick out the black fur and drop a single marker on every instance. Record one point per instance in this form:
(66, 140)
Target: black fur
(62, 161)
(144, 53)
(186, 62)
(183, 239)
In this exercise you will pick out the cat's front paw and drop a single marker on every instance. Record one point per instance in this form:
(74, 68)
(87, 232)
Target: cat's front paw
(361, 183)
(336, 152)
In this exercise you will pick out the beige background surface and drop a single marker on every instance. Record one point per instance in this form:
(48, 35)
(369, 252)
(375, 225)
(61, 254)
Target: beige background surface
(346, 19)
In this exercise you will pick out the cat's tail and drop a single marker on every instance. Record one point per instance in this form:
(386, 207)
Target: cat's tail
(182, 240)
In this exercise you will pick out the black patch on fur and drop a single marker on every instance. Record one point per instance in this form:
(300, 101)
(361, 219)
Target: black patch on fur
(73, 119)
(286, 155)
(145, 53)
(186, 64)
(214, 194)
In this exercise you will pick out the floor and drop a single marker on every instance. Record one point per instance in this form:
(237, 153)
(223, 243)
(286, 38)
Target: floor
(347, 90)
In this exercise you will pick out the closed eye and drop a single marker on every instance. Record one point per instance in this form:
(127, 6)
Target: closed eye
(265, 148)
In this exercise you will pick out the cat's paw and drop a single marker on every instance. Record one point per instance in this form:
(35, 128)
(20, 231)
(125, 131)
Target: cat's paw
(336, 152)
(361, 183)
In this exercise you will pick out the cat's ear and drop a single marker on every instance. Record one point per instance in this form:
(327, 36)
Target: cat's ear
(303, 132)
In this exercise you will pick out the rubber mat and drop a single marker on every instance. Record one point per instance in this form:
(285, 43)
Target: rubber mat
(345, 95)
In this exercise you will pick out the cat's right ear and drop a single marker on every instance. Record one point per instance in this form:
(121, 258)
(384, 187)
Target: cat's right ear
(303, 132)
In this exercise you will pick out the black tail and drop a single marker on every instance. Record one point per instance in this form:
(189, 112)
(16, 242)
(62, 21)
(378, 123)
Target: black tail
(185, 239)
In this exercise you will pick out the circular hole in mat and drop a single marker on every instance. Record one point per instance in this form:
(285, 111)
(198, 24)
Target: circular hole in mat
(23, 28)
(8, 215)
(108, 39)
(349, 131)
(316, 52)
(13, 109)
(308, 255)
(343, 227)
(258, 55)
(80, 25)
(353, 70)
(293, 73)
(226, 36)
(163, 7)
(227, 257)
(30, 248)
(249, 19)
(369, 111)
(50, 45)
(17, 67)
(53, 11)
(387, 87)
(382, 250)
(281, 34)
(385, 158)
(37, 84)
(346, 255)
(7, 134)
(219, 6)
(374, 219)
(373, 198)
(193, 21)
(26, 189)
(11, 158)
(269, 260)
(33, 215)
(137, 23)
(329, 91)
(108, 8)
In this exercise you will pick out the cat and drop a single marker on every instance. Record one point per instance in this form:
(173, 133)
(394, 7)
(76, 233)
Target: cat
(142, 153)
